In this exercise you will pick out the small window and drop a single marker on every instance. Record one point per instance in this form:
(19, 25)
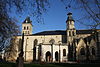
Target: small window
(35, 42)
(64, 52)
(27, 27)
(69, 33)
(52, 41)
(24, 28)
(28, 32)
(73, 33)
(25, 32)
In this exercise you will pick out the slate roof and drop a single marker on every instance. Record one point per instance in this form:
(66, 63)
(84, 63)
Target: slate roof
(84, 31)
(70, 18)
(56, 32)
(27, 20)
(63, 32)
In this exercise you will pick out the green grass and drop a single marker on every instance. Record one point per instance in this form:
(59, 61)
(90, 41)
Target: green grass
(28, 65)
(48, 65)
(7, 64)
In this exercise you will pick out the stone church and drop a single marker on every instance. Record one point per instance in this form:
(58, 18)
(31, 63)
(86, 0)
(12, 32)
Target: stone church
(57, 45)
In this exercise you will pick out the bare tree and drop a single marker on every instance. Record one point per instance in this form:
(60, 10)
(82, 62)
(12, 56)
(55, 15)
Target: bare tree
(8, 26)
(90, 10)
(10, 50)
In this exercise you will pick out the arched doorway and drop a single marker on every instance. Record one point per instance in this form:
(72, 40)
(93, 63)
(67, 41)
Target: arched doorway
(48, 56)
(82, 51)
(56, 56)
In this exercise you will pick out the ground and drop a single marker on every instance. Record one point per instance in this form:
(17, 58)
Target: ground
(6, 64)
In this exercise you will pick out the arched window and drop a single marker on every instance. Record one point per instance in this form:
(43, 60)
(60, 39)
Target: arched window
(24, 28)
(82, 51)
(34, 49)
(73, 33)
(69, 33)
(35, 42)
(27, 27)
(52, 41)
(64, 52)
(93, 51)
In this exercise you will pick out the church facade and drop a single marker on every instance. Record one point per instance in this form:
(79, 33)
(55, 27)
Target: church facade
(57, 46)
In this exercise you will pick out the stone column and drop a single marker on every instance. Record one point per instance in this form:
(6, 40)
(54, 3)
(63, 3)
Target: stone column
(59, 53)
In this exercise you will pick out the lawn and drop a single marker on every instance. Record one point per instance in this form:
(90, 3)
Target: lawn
(28, 65)
(4, 64)
(48, 65)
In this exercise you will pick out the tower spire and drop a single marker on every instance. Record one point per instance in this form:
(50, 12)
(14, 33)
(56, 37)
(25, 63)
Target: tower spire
(70, 18)
(70, 21)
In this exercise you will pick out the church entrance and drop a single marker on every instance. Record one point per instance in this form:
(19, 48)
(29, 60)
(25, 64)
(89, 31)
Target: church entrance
(56, 56)
(48, 56)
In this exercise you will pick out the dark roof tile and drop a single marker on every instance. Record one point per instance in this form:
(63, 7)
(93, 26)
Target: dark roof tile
(84, 31)
(27, 20)
(56, 32)
(63, 32)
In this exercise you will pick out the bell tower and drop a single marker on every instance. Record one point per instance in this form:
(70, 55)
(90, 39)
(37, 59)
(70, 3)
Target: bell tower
(71, 31)
(27, 26)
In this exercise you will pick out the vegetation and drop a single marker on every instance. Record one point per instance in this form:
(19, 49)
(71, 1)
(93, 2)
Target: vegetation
(8, 25)
(4, 64)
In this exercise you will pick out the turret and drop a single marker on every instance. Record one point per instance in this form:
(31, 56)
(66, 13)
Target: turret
(71, 31)
(27, 26)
